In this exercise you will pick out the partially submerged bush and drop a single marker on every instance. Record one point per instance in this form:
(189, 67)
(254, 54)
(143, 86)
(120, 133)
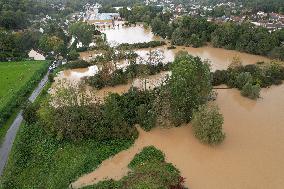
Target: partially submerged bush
(150, 44)
(242, 79)
(148, 154)
(251, 91)
(77, 64)
(207, 124)
(148, 170)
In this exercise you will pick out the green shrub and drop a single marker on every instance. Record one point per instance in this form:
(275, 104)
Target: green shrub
(219, 77)
(77, 64)
(242, 79)
(118, 77)
(51, 77)
(96, 81)
(73, 55)
(251, 91)
(30, 113)
(148, 154)
(146, 117)
(151, 44)
(207, 124)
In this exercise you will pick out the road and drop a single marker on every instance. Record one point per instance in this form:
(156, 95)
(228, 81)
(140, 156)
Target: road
(6, 146)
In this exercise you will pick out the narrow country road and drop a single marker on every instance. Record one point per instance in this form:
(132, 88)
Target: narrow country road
(7, 144)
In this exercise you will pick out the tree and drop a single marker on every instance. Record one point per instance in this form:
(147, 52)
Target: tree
(189, 86)
(73, 55)
(195, 41)
(52, 43)
(82, 32)
(242, 79)
(277, 53)
(207, 124)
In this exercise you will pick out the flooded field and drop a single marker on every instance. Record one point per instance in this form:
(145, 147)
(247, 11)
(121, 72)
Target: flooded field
(219, 58)
(250, 157)
(130, 35)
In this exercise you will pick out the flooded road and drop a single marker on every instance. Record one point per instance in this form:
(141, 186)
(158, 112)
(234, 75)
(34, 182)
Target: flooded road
(250, 157)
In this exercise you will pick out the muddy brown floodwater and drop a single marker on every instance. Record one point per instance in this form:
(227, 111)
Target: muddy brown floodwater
(130, 35)
(250, 157)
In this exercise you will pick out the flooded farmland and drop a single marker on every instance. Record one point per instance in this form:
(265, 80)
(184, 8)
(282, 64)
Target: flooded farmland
(244, 160)
(251, 155)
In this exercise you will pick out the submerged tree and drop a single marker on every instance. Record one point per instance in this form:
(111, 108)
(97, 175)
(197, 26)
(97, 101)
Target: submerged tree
(207, 124)
(189, 86)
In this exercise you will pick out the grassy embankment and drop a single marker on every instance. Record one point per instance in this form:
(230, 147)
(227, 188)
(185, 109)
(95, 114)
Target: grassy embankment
(17, 80)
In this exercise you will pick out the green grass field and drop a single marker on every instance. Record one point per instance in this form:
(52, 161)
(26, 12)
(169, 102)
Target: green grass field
(15, 75)
(39, 161)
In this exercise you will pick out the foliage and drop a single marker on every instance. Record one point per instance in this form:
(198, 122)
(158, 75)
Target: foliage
(148, 154)
(251, 91)
(77, 116)
(50, 44)
(15, 45)
(73, 55)
(151, 44)
(191, 31)
(207, 124)
(146, 116)
(219, 77)
(38, 160)
(18, 79)
(277, 53)
(242, 79)
(189, 86)
(253, 77)
(197, 31)
(140, 13)
(30, 113)
(148, 170)
(109, 76)
(82, 32)
(76, 64)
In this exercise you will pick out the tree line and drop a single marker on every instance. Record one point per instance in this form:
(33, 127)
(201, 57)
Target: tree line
(243, 37)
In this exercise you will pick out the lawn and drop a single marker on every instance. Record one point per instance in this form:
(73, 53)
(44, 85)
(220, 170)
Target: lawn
(17, 80)
(14, 75)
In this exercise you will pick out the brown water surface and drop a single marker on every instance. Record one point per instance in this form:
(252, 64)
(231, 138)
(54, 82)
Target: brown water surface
(129, 35)
(250, 157)
(218, 58)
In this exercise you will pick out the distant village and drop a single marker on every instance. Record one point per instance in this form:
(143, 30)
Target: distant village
(234, 12)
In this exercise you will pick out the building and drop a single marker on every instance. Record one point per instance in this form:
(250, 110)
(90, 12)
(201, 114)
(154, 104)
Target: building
(92, 16)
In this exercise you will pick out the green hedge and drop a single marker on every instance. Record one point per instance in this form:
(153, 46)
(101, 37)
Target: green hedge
(151, 44)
